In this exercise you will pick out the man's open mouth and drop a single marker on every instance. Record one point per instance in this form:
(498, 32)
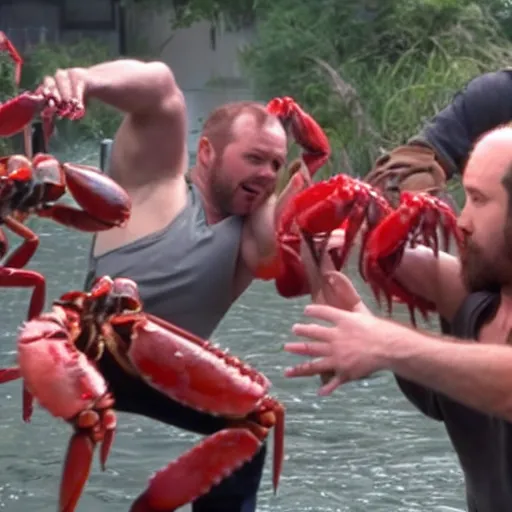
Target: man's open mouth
(251, 189)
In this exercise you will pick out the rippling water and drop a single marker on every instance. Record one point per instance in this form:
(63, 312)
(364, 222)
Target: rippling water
(362, 449)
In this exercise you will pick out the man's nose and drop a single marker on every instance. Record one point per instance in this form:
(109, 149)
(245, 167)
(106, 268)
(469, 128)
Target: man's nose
(267, 175)
(464, 220)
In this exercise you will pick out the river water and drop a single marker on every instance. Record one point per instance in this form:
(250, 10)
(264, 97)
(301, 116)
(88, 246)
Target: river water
(365, 448)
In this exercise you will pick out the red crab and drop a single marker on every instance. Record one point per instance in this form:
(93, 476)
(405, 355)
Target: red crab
(341, 202)
(414, 221)
(34, 187)
(56, 356)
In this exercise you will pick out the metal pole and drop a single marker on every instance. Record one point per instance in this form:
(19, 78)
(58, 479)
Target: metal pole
(38, 142)
(105, 149)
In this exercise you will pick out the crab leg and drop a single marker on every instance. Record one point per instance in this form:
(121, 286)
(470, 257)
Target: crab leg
(196, 472)
(7, 46)
(414, 221)
(305, 130)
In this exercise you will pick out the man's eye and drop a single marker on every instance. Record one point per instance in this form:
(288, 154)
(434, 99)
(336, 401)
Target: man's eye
(477, 199)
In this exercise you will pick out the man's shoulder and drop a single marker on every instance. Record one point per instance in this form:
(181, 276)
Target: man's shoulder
(475, 309)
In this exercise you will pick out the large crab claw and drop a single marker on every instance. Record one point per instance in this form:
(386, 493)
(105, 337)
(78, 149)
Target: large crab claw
(18, 112)
(95, 425)
(195, 373)
(214, 458)
(305, 130)
(7, 46)
(104, 203)
(67, 385)
(416, 220)
(215, 455)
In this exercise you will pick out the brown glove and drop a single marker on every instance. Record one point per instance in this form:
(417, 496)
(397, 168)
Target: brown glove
(411, 167)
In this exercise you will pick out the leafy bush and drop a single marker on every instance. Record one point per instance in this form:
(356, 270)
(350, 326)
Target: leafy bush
(372, 72)
(7, 90)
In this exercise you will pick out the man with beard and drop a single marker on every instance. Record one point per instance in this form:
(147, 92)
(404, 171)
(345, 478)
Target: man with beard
(194, 240)
(465, 381)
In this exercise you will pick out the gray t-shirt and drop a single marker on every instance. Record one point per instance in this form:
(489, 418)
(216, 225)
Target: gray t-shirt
(483, 443)
(185, 272)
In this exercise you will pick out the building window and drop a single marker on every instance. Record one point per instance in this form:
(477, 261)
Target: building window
(89, 15)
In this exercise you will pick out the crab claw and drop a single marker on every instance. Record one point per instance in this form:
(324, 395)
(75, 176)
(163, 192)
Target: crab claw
(68, 386)
(285, 265)
(197, 471)
(104, 203)
(93, 426)
(18, 112)
(77, 467)
(306, 131)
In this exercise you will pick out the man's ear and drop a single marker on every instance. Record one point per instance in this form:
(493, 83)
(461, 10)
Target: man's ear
(205, 152)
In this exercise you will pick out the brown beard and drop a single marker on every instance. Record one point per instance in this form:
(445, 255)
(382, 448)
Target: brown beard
(477, 271)
(482, 273)
(221, 191)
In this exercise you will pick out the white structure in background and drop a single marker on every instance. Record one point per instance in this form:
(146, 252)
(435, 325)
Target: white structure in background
(204, 61)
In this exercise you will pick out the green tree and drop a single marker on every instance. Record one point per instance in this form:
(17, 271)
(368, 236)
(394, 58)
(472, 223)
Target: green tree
(372, 72)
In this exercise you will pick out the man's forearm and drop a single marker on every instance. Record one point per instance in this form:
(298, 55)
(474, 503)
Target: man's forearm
(476, 374)
(130, 85)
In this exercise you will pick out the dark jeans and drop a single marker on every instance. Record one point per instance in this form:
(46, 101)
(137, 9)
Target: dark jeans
(237, 493)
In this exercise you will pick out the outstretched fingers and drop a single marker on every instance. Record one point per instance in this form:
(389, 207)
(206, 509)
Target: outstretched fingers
(323, 312)
(335, 382)
(303, 348)
(313, 331)
(310, 368)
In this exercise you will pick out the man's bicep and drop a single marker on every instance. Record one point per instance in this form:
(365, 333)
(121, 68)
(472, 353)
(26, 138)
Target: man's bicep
(437, 280)
(152, 145)
(259, 241)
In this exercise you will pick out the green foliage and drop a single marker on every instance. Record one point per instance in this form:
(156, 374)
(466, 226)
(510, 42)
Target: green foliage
(7, 90)
(372, 72)
(235, 13)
